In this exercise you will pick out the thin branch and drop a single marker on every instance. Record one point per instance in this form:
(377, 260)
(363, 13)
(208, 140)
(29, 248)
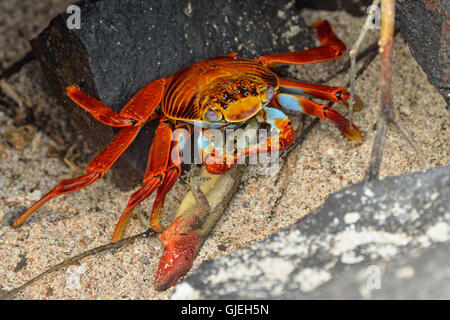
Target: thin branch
(359, 56)
(352, 54)
(376, 155)
(113, 245)
(412, 142)
(387, 112)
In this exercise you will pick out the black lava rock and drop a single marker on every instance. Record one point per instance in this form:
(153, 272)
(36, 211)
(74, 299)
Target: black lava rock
(124, 44)
(354, 7)
(425, 24)
(375, 240)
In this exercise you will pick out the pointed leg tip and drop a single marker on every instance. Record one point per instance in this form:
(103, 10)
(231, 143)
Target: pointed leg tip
(318, 23)
(116, 238)
(70, 90)
(344, 95)
(353, 134)
(350, 131)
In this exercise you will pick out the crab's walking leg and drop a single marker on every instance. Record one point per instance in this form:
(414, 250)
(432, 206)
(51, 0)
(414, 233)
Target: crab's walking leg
(334, 94)
(95, 169)
(295, 103)
(137, 111)
(332, 48)
(163, 169)
(154, 174)
(173, 172)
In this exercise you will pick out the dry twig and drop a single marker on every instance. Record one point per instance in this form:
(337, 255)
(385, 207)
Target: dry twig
(113, 245)
(387, 112)
(352, 54)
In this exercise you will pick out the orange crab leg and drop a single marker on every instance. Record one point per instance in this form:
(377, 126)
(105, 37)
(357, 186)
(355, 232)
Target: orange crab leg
(159, 152)
(334, 94)
(173, 172)
(97, 109)
(332, 48)
(295, 103)
(95, 169)
(161, 172)
(154, 175)
(142, 105)
(136, 111)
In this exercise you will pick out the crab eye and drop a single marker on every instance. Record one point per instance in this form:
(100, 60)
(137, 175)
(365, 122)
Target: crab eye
(213, 115)
(269, 94)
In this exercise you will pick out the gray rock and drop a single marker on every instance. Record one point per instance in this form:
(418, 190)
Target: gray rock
(381, 239)
(124, 44)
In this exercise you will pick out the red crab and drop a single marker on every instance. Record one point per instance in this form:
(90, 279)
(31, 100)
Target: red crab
(221, 92)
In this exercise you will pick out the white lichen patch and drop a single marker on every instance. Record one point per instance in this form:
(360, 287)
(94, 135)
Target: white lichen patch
(385, 250)
(368, 192)
(351, 217)
(439, 232)
(184, 291)
(276, 268)
(35, 195)
(311, 278)
(350, 239)
(284, 245)
(380, 216)
(405, 272)
(281, 14)
(351, 258)
(423, 241)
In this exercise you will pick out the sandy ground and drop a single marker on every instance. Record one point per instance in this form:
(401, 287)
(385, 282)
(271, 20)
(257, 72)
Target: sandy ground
(325, 162)
(22, 20)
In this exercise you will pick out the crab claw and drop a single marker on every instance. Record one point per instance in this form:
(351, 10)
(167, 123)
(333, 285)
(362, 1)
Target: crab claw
(287, 134)
(181, 244)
